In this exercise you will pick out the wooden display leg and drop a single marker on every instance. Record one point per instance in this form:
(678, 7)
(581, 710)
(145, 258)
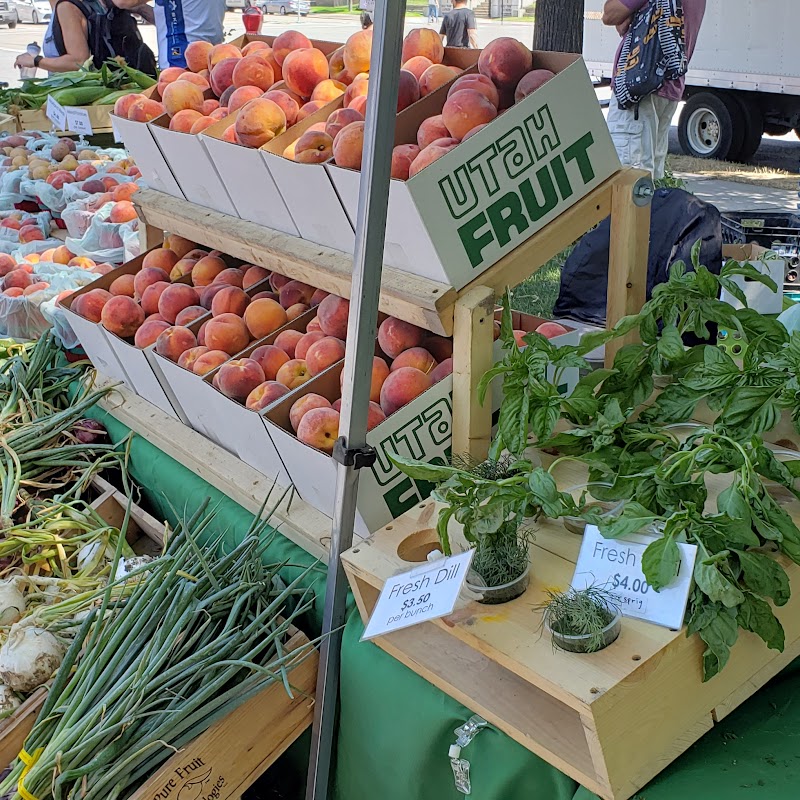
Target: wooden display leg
(473, 325)
(149, 236)
(627, 257)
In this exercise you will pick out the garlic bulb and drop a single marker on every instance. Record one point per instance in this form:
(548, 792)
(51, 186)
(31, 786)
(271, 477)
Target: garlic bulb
(9, 702)
(29, 658)
(12, 602)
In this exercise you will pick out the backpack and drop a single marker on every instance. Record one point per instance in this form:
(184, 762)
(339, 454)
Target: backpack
(653, 51)
(113, 32)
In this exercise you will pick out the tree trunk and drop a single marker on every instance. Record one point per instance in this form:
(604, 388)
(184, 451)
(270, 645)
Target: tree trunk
(559, 26)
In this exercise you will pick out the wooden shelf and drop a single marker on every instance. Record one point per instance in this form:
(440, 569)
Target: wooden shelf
(418, 300)
(294, 518)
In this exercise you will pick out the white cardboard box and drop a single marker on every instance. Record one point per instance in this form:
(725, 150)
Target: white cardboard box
(463, 213)
(759, 297)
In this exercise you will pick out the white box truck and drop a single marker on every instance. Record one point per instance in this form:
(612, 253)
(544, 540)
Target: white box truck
(743, 80)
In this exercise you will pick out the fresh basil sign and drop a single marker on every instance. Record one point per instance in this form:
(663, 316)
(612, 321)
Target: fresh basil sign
(616, 565)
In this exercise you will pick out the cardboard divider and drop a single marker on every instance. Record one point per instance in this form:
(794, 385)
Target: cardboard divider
(463, 213)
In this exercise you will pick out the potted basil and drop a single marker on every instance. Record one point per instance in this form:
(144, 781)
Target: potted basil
(492, 502)
(582, 620)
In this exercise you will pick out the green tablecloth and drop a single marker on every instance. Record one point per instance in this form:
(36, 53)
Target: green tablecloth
(395, 728)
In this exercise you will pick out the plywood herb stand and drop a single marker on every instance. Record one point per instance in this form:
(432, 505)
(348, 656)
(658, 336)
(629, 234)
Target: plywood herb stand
(611, 720)
(467, 314)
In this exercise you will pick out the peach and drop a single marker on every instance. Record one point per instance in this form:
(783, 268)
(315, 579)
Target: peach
(304, 70)
(151, 296)
(149, 331)
(293, 373)
(189, 315)
(253, 71)
(201, 334)
(340, 119)
(196, 55)
(32, 233)
(201, 125)
(265, 395)
(174, 342)
(197, 80)
(84, 172)
(305, 341)
(182, 95)
(323, 354)
(277, 281)
(327, 91)
(296, 292)
(221, 52)
(337, 68)
(263, 317)
(259, 122)
(89, 305)
(14, 291)
(332, 314)
(174, 299)
(358, 51)
(226, 332)
(270, 358)
(81, 262)
(57, 180)
(480, 83)
(189, 357)
(354, 90)
(401, 387)
(122, 286)
(242, 96)
(231, 277)
(181, 268)
(396, 335)
(254, 275)
(551, 329)
(208, 361)
(219, 114)
(466, 109)
(427, 156)
(505, 61)
(161, 259)
(348, 146)
(318, 296)
(123, 211)
(476, 129)
(430, 130)
(423, 42)
(222, 77)
(289, 106)
(295, 311)
(207, 269)
(210, 106)
(439, 347)
(434, 77)
(125, 191)
(208, 294)
(225, 97)
(359, 104)
(239, 377)
(35, 287)
(287, 42)
(184, 121)
(319, 428)
(280, 86)
(417, 357)
(408, 90)
(230, 300)
(519, 338)
(529, 83)
(145, 110)
(122, 316)
(305, 404)
(276, 67)
(20, 279)
(94, 187)
(402, 157)
(124, 103)
(170, 75)
(266, 296)
(109, 182)
(307, 109)
(11, 222)
(252, 47)
(380, 372)
(7, 263)
(417, 65)
(442, 370)
(375, 415)
(287, 341)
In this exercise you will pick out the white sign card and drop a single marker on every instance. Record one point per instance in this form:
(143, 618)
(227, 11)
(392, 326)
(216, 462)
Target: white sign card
(616, 565)
(79, 122)
(56, 113)
(424, 593)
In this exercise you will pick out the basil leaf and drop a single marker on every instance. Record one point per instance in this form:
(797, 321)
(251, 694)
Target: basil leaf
(706, 281)
(731, 501)
(420, 471)
(756, 325)
(733, 288)
(675, 404)
(748, 271)
(765, 576)
(660, 562)
(720, 634)
(717, 371)
(750, 411)
(714, 584)
(670, 345)
(756, 616)
(634, 517)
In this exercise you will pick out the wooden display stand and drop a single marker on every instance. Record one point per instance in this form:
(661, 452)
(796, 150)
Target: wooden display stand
(36, 120)
(611, 720)
(466, 315)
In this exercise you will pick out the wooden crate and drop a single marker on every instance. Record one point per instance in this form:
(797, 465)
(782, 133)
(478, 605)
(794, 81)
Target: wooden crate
(611, 720)
(232, 754)
(8, 124)
(36, 120)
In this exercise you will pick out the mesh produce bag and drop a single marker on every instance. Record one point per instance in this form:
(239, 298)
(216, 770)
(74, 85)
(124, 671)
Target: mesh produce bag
(103, 240)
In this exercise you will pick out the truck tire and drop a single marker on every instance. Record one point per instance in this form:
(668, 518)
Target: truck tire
(711, 126)
(753, 127)
(773, 129)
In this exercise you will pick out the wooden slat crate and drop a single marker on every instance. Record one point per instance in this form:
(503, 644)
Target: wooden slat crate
(611, 720)
(36, 119)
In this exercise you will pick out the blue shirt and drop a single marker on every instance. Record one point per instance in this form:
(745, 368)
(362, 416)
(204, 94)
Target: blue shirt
(180, 22)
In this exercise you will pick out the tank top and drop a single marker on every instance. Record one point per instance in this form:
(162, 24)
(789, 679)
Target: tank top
(49, 49)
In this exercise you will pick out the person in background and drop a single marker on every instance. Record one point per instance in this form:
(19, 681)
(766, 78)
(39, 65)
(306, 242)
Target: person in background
(641, 134)
(459, 27)
(179, 22)
(433, 11)
(366, 20)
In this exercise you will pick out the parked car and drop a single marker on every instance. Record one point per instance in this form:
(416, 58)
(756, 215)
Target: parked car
(35, 11)
(233, 4)
(286, 7)
(8, 14)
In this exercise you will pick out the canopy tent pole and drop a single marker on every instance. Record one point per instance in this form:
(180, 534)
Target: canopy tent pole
(351, 451)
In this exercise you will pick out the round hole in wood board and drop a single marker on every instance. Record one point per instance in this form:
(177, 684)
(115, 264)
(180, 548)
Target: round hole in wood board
(636, 658)
(594, 690)
(415, 548)
(389, 528)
